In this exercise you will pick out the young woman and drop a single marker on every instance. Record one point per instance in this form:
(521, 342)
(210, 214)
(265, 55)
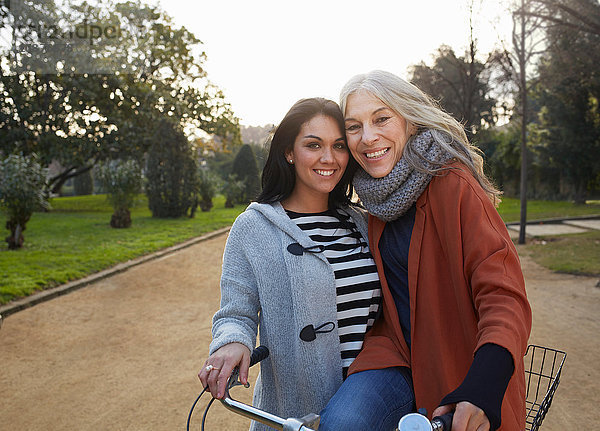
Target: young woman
(455, 311)
(298, 270)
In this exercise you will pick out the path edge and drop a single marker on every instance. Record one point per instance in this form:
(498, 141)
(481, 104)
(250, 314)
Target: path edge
(46, 295)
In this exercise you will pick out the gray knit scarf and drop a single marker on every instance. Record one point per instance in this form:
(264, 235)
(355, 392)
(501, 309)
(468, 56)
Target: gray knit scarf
(388, 198)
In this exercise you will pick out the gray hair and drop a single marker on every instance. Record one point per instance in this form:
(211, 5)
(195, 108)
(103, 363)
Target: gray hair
(421, 112)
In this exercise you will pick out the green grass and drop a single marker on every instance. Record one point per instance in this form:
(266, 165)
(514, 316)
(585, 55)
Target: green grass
(573, 254)
(510, 209)
(75, 239)
(91, 203)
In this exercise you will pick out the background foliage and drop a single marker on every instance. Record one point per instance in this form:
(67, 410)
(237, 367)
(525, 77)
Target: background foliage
(171, 171)
(22, 181)
(122, 180)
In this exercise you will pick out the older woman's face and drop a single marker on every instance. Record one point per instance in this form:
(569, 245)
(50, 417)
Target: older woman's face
(376, 134)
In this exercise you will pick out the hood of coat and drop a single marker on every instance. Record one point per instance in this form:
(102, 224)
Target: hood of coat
(276, 214)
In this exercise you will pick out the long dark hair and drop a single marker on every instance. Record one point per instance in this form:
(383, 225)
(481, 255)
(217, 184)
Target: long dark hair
(279, 177)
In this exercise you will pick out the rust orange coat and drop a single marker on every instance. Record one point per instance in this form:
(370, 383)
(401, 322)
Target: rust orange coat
(466, 289)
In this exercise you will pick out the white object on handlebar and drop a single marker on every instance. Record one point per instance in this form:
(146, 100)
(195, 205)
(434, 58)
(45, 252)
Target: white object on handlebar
(414, 422)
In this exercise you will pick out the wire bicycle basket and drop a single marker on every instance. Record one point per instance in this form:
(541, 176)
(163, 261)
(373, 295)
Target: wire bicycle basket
(542, 372)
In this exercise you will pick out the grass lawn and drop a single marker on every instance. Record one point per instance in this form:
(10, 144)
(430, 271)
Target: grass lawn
(75, 239)
(510, 209)
(573, 254)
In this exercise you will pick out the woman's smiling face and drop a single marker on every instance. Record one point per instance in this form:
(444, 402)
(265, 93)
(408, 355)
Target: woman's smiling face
(376, 134)
(320, 157)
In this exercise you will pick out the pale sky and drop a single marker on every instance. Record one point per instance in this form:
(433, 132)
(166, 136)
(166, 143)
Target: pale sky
(267, 54)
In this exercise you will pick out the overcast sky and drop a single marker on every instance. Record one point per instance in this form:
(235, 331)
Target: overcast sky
(266, 54)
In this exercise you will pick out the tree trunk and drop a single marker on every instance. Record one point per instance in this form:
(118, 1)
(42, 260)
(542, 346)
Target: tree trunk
(121, 218)
(16, 239)
(523, 85)
(206, 204)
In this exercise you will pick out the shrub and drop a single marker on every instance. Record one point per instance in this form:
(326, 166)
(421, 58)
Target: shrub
(233, 189)
(207, 188)
(246, 171)
(171, 172)
(22, 191)
(122, 181)
(84, 184)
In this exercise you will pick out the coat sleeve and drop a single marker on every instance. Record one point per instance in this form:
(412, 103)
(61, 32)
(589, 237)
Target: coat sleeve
(491, 264)
(238, 317)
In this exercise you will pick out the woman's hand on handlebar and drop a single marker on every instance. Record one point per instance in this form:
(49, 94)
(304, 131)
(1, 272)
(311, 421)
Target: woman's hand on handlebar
(218, 367)
(467, 417)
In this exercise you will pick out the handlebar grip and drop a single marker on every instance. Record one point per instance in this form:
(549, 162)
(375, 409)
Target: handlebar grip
(258, 354)
(443, 423)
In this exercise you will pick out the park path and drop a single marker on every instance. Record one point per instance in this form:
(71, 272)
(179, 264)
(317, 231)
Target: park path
(122, 353)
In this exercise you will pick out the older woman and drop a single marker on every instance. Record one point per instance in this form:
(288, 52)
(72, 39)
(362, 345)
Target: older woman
(455, 315)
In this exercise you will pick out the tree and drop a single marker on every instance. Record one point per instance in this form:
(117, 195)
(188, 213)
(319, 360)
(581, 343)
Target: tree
(81, 118)
(257, 137)
(84, 184)
(461, 84)
(221, 163)
(22, 181)
(516, 63)
(576, 15)
(122, 181)
(233, 189)
(245, 170)
(207, 188)
(500, 146)
(537, 22)
(171, 171)
(39, 110)
(568, 90)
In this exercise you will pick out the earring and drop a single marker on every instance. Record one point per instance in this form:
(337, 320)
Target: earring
(291, 162)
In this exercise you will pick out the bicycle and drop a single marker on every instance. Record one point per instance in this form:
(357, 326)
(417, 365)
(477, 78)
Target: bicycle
(543, 367)
(251, 412)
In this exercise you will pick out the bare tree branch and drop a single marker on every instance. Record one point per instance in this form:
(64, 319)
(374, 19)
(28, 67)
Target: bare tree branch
(582, 21)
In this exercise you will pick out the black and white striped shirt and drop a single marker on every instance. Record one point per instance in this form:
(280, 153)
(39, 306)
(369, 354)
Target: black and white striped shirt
(357, 283)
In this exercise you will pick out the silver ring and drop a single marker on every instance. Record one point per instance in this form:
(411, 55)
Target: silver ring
(209, 368)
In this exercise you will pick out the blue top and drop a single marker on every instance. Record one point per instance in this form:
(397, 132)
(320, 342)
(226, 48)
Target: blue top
(393, 246)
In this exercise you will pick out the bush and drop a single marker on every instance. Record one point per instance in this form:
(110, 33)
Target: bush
(172, 173)
(84, 184)
(207, 188)
(233, 189)
(502, 157)
(22, 191)
(122, 181)
(246, 171)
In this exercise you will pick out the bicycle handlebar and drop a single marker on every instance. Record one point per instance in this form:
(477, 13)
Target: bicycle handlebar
(258, 354)
(251, 412)
(410, 422)
(419, 422)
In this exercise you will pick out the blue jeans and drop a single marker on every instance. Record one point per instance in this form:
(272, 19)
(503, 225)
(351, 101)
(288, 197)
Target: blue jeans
(372, 400)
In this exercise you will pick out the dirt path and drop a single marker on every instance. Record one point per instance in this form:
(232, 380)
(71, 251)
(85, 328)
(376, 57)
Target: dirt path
(566, 316)
(122, 354)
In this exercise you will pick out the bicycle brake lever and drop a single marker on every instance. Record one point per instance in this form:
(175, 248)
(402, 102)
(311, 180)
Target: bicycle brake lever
(234, 380)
